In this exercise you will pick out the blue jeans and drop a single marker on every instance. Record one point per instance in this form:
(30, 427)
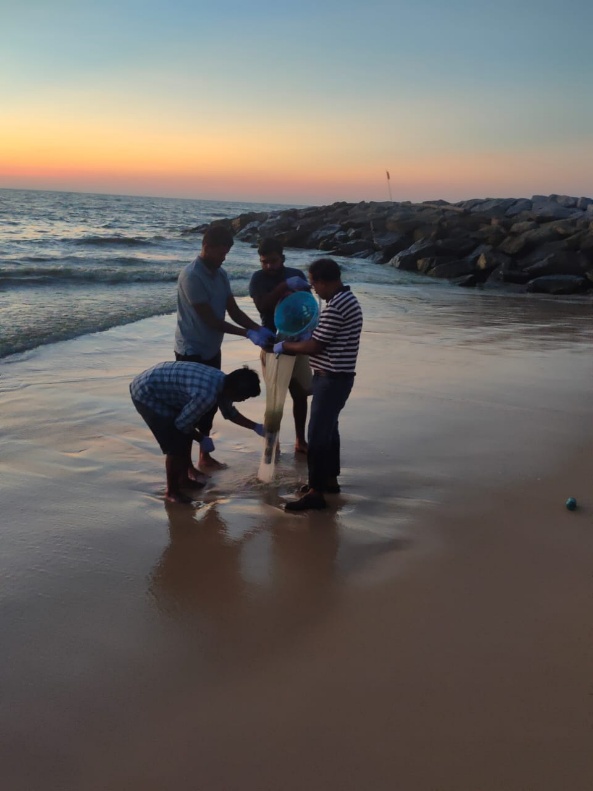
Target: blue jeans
(330, 393)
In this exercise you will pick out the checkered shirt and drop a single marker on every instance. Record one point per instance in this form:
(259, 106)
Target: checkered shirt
(182, 390)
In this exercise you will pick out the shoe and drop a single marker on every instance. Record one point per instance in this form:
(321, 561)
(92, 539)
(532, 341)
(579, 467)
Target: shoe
(313, 501)
(335, 489)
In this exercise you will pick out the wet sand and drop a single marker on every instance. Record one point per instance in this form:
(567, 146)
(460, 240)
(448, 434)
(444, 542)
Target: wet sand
(431, 631)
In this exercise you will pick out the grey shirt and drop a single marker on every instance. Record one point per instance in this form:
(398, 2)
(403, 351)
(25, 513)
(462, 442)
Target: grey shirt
(198, 284)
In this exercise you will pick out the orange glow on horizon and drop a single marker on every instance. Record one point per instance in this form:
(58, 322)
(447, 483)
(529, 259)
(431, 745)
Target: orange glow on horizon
(93, 159)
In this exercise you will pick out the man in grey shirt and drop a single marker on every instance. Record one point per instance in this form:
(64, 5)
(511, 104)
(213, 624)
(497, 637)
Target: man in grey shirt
(204, 298)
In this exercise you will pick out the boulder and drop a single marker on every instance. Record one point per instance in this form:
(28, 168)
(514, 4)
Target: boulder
(390, 243)
(333, 241)
(515, 245)
(354, 248)
(562, 262)
(445, 267)
(497, 206)
(492, 241)
(508, 274)
(546, 208)
(518, 207)
(249, 233)
(243, 220)
(518, 228)
(492, 259)
(408, 259)
(492, 235)
(565, 200)
(586, 246)
(559, 284)
(321, 234)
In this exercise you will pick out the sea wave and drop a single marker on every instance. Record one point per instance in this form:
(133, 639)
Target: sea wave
(111, 241)
(74, 313)
(52, 276)
(72, 263)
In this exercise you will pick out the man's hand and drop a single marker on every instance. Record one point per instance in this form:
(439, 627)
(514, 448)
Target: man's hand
(253, 336)
(279, 348)
(268, 336)
(261, 336)
(206, 445)
(259, 429)
(297, 283)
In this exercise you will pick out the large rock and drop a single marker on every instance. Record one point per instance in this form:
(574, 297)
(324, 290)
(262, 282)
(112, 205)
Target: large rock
(559, 284)
(408, 259)
(518, 207)
(243, 220)
(354, 248)
(249, 233)
(515, 245)
(324, 234)
(562, 262)
(584, 203)
(445, 267)
(492, 259)
(390, 243)
(518, 228)
(498, 240)
(497, 206)
(547, 208)
(565, 200)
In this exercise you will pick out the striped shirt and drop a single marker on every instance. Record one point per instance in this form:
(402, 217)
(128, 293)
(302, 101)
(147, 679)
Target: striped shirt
(183, 391)
(339, 328)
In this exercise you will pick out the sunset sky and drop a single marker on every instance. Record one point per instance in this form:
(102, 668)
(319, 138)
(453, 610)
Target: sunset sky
(298, 102)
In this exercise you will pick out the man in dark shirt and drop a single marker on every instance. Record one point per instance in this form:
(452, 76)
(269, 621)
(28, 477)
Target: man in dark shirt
(267, 287)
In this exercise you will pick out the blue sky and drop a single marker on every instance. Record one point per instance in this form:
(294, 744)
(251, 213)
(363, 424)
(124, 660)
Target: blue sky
(304, 102)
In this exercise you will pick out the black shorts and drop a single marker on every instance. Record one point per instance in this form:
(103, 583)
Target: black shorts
(171, 441)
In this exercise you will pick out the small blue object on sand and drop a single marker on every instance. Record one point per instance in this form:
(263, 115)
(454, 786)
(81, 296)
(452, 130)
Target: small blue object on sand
(571, 503)
(296, 314)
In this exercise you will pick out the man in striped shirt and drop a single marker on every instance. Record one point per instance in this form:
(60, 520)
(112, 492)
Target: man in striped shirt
(333, 349)
(172, 397)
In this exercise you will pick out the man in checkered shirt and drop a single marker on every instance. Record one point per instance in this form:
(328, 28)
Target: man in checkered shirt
(172, 397)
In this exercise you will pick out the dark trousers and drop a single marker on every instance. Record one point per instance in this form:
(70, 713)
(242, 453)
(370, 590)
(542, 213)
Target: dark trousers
(330, 393)
(204, 424)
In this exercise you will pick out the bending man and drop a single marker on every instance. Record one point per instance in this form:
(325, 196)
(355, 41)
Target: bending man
(173, 397)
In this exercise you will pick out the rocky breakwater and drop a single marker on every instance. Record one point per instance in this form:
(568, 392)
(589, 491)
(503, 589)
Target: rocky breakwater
(541, 244)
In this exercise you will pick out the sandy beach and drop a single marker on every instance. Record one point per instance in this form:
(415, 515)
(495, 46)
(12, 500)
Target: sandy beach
(430, 632)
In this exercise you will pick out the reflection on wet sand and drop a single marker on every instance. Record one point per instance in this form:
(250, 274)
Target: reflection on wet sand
(240, 584)
(500, 320)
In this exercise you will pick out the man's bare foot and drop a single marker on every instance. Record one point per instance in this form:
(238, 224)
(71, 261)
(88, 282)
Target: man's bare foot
(300, 446)
(191, 483)
(177, 497)
(208, 463)
(195, 475)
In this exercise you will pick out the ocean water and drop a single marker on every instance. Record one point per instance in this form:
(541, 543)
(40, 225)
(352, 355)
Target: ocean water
(73, 263)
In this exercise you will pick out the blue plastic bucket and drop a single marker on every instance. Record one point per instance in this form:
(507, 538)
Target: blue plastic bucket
(296, 314)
